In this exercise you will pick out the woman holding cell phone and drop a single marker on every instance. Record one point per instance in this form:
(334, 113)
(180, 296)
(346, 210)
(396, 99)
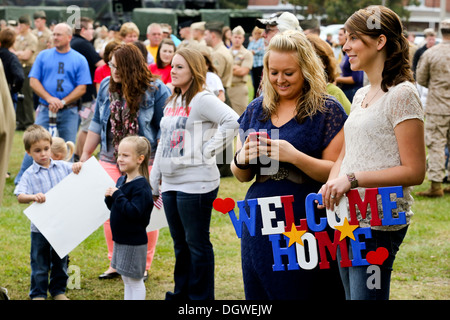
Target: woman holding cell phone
(297, 136)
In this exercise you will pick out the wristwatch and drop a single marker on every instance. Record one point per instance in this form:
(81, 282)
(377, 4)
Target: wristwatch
(352, 179)
(63, 102)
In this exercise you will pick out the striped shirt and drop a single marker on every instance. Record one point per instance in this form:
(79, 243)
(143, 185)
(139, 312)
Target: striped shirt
(40, 179)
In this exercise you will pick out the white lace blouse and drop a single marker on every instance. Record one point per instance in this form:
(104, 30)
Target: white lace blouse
(370, 142)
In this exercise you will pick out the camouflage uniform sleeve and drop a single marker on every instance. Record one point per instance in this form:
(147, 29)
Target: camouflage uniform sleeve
(423, 70)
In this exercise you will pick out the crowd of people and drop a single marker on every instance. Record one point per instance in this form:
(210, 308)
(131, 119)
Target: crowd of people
(167, 109)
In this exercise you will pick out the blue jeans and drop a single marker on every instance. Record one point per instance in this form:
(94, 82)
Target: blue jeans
(66, 123)
(355, 279)
(189, 218)
(44, 259)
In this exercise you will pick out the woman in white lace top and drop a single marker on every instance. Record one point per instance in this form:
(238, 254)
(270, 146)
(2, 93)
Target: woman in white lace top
(384, 141)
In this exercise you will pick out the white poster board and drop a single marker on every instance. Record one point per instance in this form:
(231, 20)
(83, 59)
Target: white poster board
(74, 208)
(157, 219)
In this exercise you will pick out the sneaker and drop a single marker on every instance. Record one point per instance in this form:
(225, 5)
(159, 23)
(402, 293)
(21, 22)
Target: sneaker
(61, 296)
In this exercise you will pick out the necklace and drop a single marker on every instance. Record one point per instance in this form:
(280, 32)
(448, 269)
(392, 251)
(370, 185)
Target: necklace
(367, 103)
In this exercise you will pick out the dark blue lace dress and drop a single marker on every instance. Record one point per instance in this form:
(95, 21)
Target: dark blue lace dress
(311, 137)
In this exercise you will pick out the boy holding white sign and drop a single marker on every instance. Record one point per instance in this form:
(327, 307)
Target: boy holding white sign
(44, 174)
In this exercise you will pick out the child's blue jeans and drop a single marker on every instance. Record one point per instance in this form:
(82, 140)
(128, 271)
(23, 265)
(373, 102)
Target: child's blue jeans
(44, 259)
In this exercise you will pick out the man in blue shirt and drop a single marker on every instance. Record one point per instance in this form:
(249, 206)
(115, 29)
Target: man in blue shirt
(59, 77)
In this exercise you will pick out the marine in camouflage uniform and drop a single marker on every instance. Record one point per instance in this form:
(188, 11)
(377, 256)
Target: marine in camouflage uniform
(433, 72)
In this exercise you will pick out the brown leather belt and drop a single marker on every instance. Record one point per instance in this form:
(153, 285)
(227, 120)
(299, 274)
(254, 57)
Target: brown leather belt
(290, 174)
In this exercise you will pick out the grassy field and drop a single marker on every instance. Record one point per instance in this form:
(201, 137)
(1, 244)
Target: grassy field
(421, 270)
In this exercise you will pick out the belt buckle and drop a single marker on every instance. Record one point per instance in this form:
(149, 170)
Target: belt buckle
(282, 173)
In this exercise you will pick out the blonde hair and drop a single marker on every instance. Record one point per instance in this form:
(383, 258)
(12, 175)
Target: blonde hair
(312, 98)
(35, 133)
(142, 147)
(257, 30)
(128, 27)
(63, 148)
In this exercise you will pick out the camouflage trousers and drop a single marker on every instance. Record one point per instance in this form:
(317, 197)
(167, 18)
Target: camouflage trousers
(437, 136)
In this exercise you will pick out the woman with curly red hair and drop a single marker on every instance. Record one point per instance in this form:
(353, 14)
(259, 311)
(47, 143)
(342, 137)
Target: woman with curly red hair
(129, 102)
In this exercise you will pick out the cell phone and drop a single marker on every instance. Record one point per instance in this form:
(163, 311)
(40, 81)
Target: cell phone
(254, 136)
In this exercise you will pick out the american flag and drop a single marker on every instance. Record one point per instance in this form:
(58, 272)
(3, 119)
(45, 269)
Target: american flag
(158, 203)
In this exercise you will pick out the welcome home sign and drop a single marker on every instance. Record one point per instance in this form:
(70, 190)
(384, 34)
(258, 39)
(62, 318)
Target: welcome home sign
(306, 244)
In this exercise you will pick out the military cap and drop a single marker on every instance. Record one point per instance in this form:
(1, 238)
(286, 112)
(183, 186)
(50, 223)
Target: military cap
(39, 15)
(445, 24)
(238, 31)
(185, 24)
(198, 26)
(214, 26)
(25, 19)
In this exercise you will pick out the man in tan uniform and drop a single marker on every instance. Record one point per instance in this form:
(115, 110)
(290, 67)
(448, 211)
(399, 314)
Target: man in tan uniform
(44, 36)
(433, 72)
(25, 49)
(243, 62)
(184, 30)
(42, 33)
(198, 35)
(221, 56)
(7, 127)
(223, 62)
(193, 36)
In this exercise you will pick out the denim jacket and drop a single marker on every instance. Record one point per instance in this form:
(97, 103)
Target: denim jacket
(150, 113)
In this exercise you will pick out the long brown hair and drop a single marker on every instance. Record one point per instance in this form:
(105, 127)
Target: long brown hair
(325, 53)
(133, 72)
(374, 21)
(197, 66)
(159, 62)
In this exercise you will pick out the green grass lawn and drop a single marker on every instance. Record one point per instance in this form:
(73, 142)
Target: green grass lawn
(421, 270)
